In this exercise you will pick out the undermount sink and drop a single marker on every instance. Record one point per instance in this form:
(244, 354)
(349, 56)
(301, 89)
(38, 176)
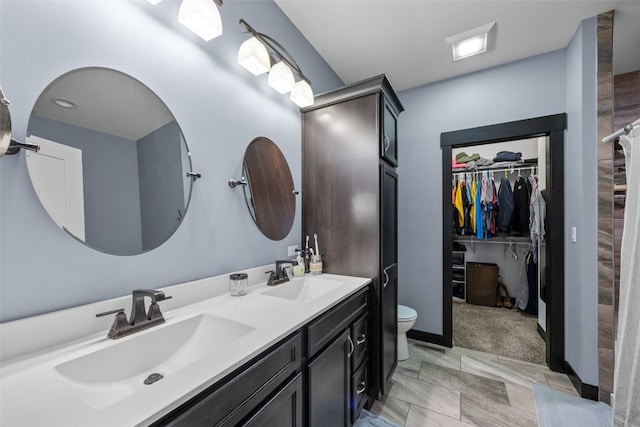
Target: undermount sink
(304, 289)
(109, 375)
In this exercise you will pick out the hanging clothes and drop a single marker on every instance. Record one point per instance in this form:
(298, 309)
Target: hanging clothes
(505, 200)
(479, 224)
(467, 202)
(537, 212)
(472, 210)
(494, 207)
(532, 282)
(456, 214)
(521, 199)
(458, 204)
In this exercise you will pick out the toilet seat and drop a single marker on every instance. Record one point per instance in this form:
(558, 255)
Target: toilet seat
(406, 314)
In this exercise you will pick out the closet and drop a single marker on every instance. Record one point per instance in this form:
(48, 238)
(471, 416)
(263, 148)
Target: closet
(553, 128)
(498, 225)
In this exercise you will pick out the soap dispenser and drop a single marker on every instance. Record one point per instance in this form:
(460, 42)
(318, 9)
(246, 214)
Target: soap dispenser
(298, 269)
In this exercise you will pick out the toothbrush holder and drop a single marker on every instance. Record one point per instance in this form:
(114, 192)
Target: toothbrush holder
(315, 266)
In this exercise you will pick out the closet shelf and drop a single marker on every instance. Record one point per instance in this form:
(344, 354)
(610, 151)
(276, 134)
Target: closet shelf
(498, 239)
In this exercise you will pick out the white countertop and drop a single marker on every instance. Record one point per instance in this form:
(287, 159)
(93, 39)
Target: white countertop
(33, 393)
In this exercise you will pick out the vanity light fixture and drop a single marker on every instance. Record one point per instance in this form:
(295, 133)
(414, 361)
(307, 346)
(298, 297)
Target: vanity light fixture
(470, 42)
(202, 17)
(260, 51)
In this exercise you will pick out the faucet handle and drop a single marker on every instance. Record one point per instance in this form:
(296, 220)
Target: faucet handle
(106, 313)
(119, 323)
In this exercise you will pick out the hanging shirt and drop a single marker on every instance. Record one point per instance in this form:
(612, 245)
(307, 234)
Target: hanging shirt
(472, 211)
(521, 199)
(537, 213)
(505, 199)
(479, 227)
(458, 204)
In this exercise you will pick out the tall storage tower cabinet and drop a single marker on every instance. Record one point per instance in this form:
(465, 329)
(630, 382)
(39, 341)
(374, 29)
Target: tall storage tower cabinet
(349, 198)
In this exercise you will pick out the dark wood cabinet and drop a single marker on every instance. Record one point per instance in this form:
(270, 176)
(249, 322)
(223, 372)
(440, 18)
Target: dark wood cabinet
(282, 410)
(338, 374)
(318, 376)
(229, 401)
(389, 274)
(349, 198)
(389, 146)
(329, 377)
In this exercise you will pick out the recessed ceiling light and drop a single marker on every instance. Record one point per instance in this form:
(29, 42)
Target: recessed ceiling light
(470, 42)
(64, 103)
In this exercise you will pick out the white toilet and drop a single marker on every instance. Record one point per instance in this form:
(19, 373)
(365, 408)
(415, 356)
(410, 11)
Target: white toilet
(406, 319)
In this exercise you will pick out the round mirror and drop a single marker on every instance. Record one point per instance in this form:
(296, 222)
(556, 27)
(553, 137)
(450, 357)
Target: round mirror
(270, 196)
(113, 163)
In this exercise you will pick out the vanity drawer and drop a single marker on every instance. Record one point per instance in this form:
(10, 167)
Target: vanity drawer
(359, 388)
(360, 338)
(323, 330)
(247, 388)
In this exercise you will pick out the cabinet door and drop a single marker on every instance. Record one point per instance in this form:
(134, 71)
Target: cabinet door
(283, 410)
(389, 141)
(389, 314)
(329, 379)
(389, 273)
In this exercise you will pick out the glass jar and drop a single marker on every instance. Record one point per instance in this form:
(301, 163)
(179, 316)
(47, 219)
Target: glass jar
(315, 266)
(238, 284)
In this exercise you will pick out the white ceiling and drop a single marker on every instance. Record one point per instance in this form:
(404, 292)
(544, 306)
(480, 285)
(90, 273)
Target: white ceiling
(405, 39)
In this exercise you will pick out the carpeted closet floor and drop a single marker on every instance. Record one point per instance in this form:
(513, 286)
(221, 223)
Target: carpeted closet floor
(497, 330)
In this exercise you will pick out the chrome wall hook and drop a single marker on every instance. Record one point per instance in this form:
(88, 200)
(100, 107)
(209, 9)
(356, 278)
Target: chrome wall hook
(234, 183)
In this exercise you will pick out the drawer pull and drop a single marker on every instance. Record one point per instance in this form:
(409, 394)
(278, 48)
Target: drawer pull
(386, 278)
(352, 347)
(387, 143)
(361, 339)
(362, 387)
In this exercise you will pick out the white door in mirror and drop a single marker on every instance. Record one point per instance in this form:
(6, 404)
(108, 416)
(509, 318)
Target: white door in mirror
(56, 173)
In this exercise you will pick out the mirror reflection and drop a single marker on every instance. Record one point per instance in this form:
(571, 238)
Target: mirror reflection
(270, 196)
(112, 166)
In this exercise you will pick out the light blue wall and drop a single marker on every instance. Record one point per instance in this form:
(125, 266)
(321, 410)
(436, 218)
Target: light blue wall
(581, 201)
(529, 88)
(220, 107)
(556, 82)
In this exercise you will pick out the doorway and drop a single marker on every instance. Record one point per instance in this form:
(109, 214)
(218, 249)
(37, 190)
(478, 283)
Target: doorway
(551, 127)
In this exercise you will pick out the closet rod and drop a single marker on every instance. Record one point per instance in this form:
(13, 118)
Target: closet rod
(624, 131)
(510, 169)
(502, 242)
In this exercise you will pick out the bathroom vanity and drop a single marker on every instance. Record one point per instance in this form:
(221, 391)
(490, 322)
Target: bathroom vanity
(294, 354)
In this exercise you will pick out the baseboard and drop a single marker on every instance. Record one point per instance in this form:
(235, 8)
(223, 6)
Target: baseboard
(542, 333)
(426, 337)
(587, 391)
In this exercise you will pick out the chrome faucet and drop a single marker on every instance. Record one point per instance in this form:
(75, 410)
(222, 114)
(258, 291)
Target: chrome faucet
(139, 319)
(279, 275)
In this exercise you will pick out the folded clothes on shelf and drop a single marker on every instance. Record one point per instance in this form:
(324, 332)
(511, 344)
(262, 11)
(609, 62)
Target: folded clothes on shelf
(507, 156)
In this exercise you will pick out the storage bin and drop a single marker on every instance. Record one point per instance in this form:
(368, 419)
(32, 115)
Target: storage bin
(482, 283)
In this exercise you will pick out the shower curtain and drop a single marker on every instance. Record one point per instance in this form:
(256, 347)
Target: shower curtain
(626, 399)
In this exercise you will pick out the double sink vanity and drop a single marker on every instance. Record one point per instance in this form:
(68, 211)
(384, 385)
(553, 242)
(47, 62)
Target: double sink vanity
(291, 354)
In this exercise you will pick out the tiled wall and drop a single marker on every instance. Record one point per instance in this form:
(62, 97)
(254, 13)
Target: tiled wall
(605, 208)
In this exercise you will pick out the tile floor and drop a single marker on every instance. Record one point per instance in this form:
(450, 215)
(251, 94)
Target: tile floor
(458, 387)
